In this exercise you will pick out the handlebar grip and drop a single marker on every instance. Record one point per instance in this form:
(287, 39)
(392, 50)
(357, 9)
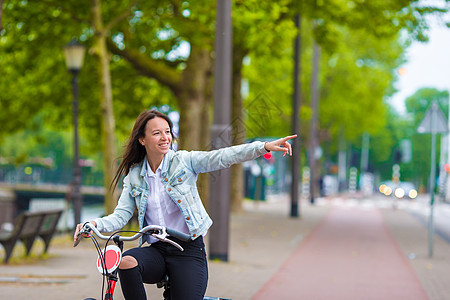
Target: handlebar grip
(179, 235)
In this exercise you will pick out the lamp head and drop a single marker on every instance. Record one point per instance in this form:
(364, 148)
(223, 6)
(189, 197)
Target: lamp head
(74, 54)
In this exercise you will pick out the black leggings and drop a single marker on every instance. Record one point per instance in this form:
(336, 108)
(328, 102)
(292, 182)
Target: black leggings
(187, 270)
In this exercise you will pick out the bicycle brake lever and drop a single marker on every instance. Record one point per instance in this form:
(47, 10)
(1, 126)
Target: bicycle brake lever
(162, 236)
(78, 240)
(84, 230)
(174, 244)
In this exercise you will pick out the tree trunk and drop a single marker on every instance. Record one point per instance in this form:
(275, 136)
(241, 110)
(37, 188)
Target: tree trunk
(296, 102)
(203, 179)
(239, 133)
(107, 131)
(195, 106)
(193, 100)
(190, 121)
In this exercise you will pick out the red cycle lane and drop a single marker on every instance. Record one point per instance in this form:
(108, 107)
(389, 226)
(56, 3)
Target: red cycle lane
(350, 255)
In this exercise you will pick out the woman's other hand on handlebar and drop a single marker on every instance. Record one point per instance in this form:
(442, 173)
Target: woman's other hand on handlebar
(79, 228)
(281, 145)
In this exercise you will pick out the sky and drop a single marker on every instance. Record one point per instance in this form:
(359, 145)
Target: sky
(428, 64)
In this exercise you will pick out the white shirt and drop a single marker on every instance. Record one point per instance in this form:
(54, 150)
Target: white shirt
(161, 210)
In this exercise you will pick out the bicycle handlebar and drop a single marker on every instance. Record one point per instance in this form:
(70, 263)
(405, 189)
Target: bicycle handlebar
(158, 232)
(179, 235)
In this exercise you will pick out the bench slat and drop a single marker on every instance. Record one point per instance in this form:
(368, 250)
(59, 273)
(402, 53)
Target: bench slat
(28, 227)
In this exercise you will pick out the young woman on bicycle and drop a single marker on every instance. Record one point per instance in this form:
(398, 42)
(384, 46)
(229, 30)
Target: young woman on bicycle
(161, 184)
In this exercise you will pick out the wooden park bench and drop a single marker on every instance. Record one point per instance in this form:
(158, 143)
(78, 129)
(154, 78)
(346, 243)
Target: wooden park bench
(28, 227)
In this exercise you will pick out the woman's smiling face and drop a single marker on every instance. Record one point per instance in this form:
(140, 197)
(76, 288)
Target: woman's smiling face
(157, 137)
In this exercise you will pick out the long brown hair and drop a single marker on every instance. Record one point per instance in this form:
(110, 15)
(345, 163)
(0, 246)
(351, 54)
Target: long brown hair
(134, 151)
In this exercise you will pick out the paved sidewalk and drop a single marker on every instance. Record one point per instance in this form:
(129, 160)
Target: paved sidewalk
(263, 240)
(412, 236)
(350, 255)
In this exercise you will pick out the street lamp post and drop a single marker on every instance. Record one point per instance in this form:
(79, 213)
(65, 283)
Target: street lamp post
(219, 204)
(74, 55)
(296, 122)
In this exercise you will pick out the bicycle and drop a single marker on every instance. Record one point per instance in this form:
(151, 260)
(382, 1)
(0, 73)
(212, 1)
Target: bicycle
(109, 258)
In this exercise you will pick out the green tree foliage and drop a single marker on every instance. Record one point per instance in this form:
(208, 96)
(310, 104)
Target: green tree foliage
(418, 169)
(418, 103)
(33, 69)
(172, 42)
(162, 53)
(361, 49)
(356, 79)
(38, 142)
(385, 142)
(35, 79)
(268, 80)
(1, 13)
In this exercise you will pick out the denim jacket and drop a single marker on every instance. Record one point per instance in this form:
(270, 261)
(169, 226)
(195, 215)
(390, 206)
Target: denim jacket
(179, 172)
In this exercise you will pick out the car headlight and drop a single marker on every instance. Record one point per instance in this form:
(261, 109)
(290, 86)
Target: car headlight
(387, 191)
(399, 193)
(412, 194)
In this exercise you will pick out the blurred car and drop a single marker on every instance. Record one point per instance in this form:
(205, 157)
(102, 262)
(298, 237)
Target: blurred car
(402, 189)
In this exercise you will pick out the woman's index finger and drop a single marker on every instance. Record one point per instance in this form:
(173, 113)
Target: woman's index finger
(290, 137)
